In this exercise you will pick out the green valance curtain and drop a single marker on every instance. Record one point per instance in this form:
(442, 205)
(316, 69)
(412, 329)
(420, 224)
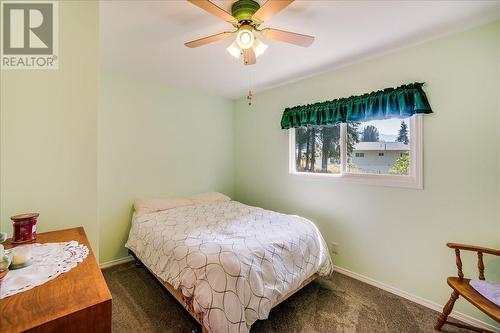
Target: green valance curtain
(400, 102)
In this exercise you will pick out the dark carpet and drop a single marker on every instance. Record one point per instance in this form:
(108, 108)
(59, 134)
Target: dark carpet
(334, 304)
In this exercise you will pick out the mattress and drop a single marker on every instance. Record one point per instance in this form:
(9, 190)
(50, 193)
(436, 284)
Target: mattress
(233, 261)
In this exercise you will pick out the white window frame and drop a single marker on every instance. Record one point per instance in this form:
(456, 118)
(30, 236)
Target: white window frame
(413, 180)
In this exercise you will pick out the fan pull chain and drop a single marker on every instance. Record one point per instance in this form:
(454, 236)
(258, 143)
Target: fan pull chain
(249, 95)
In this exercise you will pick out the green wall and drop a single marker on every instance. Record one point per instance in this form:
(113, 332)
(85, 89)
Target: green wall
(157, 141)
(48, 131)
(394, 235)
(80, 154)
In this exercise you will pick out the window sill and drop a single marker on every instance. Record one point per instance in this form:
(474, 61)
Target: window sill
(366, 179)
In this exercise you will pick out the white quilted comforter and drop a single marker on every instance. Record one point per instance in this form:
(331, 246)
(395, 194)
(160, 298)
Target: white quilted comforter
(232, 260)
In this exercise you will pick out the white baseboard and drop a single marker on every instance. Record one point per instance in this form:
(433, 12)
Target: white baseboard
(414, 298)
(112, 263)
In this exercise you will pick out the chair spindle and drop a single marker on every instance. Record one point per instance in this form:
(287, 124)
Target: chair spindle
(480, 265)
(459, 264)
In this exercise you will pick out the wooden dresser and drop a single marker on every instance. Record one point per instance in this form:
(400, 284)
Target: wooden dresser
(76, 301)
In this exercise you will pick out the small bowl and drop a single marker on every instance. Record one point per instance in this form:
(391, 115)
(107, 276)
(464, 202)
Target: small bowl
(24, 264)
(21, 257)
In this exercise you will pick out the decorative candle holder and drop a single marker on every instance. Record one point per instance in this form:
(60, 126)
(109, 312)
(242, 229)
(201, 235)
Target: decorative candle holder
(4, 265)
(24, 227)
(3, 274)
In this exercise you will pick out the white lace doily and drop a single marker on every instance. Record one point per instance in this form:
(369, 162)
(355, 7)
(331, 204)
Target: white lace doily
(49, 260)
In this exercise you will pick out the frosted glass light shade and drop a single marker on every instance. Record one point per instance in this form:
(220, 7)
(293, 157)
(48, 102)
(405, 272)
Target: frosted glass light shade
(234, 50)
(259, 47)
(245, 39)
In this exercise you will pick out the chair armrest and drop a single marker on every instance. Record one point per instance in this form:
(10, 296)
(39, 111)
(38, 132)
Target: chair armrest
(480, 250)
(473, 248)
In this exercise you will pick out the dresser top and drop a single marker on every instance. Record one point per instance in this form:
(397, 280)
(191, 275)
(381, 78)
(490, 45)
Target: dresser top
(80, 288)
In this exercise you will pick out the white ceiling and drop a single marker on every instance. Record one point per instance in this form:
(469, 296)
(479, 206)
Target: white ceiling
(145, 39)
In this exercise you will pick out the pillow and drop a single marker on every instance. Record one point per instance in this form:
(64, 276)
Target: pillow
(489, 289)
(209, 197)
(155, 205)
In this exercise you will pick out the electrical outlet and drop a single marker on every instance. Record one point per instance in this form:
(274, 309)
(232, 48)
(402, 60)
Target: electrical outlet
(334, 247)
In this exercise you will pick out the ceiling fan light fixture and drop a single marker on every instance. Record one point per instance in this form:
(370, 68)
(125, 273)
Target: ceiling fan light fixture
(234, 50)
(259, 47)
(245, 37)
(246, 17)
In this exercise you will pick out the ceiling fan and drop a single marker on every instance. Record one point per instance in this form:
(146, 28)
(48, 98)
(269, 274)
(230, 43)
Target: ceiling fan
(246, 17)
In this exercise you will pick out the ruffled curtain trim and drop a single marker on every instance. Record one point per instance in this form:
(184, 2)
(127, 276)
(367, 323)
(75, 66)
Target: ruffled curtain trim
(400, 102)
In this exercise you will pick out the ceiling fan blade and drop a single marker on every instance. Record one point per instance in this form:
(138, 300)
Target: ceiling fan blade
(214, 10)
(270, 8)
(207, 40)
(249, 57)
(288, 37)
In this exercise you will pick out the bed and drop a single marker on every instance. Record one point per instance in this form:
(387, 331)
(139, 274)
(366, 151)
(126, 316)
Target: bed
(227, 263)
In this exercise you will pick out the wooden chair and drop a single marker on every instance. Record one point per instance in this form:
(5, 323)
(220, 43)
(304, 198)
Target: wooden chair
(461, 287)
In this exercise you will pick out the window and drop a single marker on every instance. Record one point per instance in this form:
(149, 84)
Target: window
(381, 152)
(324, 142)
(389, 139)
